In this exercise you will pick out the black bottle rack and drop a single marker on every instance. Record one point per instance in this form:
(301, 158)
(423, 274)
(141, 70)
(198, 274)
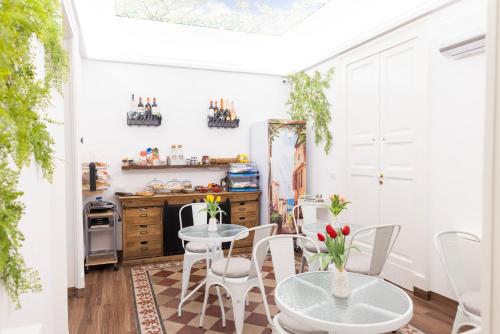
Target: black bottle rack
(213, 122)
(143, 118)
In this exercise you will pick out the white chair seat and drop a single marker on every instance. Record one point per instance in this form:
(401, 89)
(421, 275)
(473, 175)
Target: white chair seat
(238, 267)
(309, 245)
(358, 264)
(295, 327)
(196, 247)
(472, 302)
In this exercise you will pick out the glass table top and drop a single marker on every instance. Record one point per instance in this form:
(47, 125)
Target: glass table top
(320, 227)
(373, 301)
(200, 233)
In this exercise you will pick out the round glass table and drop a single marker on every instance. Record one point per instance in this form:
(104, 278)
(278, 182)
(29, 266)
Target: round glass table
(374, 306)
(200, 233)
(213, 239)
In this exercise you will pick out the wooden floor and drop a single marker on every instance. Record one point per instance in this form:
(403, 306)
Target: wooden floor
(107, 308)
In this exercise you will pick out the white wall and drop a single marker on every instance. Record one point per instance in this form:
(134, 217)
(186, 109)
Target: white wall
(457, 108)
(456, 91)
(44, 248)
(183, 97)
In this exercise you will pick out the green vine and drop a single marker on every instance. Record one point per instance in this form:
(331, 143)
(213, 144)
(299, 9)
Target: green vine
(24, 133)
(308, 102)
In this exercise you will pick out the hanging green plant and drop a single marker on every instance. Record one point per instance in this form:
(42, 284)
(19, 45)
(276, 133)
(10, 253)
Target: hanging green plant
(24, 135)
(308, 102)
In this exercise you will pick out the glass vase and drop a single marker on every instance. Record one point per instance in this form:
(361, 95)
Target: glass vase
(340, 282)
(212, 225)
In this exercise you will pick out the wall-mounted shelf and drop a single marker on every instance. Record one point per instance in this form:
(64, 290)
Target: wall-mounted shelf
(215, 123)
(174, 166)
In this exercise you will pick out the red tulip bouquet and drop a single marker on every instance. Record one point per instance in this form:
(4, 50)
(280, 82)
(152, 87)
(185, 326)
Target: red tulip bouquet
(334, 240)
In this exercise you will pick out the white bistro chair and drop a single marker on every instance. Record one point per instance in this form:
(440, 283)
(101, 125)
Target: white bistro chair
(384, 238)
(308, 248)
(469, 301)
(237, 276)
(195, 251)
(283, 259)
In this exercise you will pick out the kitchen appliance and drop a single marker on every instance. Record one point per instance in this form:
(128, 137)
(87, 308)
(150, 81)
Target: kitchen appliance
(100, 218)
(278, 147)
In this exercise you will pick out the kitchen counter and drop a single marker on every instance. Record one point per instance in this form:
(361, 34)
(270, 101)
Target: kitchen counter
(151, 223)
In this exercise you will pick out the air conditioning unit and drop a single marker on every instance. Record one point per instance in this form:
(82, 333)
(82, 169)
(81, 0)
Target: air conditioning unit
(464, 46)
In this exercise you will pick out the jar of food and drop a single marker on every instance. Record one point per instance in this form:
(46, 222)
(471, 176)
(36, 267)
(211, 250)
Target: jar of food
(174, 185)
(187, 185)
(155, 185)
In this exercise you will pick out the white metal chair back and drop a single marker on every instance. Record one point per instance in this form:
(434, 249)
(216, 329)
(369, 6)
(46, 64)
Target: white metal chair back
(384, 238)
(283, 258)
(282, 254)
(199, 216)
(308, 214)
(448, 247)
(259, 233)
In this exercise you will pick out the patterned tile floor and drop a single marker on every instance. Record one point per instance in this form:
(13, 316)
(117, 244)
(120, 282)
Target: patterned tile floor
(157, 291)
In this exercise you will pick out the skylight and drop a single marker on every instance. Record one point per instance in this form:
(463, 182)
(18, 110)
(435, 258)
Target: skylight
(269, 17)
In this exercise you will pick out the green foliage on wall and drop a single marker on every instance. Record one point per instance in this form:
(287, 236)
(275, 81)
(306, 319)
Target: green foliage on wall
(308, 102)
(24, 95)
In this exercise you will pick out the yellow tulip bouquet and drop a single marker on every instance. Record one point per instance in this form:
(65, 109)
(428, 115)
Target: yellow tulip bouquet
(212, 207)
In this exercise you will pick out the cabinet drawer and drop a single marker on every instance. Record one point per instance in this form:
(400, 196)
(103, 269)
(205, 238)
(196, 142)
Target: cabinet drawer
(245, 220)
(142, 215)
(144, 232)
(244, 207)
(143, 248)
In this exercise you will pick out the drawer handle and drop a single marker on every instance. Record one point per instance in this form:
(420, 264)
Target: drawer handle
(144, 248)
(143, 232)
(143, 215)
(242, 203)
(144, 242)
(242, 218)
(143, 226)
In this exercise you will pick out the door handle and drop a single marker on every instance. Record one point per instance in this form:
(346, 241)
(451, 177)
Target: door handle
(381, 179)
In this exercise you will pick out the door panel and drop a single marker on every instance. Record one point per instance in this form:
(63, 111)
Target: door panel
(399, 111)
(362, 93)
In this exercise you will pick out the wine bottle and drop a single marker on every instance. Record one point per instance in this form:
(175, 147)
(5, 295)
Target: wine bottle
(222, 111)
(232, 114)
(228, 111)
(154, 107)
(216, 111)
(133, 105)
(147, 107)
(211, 111)
(140, 106)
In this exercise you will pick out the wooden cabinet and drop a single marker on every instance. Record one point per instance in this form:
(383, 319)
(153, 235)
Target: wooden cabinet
(142, 232)
(144, 227)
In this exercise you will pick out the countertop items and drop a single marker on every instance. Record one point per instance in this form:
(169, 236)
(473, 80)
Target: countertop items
(150, 159)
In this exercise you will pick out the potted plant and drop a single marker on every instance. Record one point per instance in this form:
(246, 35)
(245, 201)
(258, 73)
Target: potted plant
(336, 257)
(277, 219)
(212, 209)
(338, 203)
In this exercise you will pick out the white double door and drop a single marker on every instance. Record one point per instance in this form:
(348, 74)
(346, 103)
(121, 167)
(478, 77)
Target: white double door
(384, 110)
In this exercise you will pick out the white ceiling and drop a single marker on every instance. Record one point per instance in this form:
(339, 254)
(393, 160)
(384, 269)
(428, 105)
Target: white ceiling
(107, 36)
